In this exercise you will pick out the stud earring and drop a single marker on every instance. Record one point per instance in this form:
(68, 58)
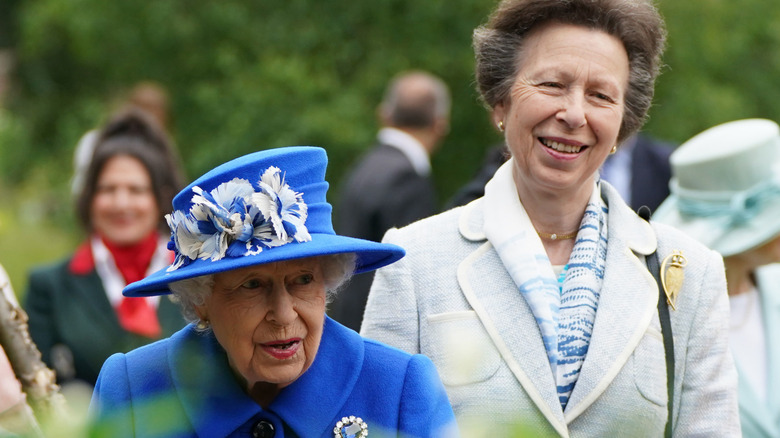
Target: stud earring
(614, 149)
(203, 324)
(501, 125)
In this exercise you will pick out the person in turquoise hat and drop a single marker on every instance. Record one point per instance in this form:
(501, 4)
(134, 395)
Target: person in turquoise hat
(725, 192)
(256, 263)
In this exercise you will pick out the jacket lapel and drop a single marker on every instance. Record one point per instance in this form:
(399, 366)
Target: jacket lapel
(771, 312)
(87, 289)
(325, 388)
(507, 318)
(627, 304)
(769, 411)
(90, 299)
(753, 412)
(199, 367)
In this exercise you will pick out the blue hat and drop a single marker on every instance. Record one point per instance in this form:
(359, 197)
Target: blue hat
(725, 186)
(264, 207)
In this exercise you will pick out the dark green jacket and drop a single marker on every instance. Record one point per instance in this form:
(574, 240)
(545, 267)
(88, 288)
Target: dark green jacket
(70, 315)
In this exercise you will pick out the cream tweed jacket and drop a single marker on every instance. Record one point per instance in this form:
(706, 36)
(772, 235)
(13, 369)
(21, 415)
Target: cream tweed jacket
(451, 299)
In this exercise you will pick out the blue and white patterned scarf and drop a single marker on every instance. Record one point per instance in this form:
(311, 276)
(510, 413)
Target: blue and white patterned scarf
(565, 312)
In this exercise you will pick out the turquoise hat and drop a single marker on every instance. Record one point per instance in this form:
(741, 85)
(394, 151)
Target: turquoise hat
(725, 186)
(264, 207)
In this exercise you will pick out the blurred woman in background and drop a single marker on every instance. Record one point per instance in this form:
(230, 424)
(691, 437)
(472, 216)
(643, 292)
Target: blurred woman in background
(726, 194)
(78, 316)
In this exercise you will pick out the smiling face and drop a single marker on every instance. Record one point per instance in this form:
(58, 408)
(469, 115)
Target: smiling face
(124, 210)
(269, 319)
(565, 108)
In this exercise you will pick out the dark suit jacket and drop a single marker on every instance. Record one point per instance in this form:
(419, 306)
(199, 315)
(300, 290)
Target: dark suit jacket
(183, 387)
(650, 172)
(383, 191)
(71, 312)
(475, 188)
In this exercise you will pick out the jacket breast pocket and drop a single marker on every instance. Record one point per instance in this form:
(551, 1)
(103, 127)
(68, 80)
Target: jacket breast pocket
(461, 348)
(650, 367)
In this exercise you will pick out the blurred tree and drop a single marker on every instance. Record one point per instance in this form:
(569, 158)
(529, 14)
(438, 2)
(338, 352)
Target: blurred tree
(8, 23)
(722, 58)
(244, 75)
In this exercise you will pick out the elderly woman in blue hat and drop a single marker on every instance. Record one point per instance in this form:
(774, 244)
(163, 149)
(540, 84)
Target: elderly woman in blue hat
(726, 193)
(256, 262)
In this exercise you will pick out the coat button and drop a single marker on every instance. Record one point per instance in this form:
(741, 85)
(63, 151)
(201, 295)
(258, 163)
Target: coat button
(263, 429)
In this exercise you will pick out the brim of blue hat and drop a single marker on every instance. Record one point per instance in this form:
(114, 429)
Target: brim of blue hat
(718, 233)
(370, 256)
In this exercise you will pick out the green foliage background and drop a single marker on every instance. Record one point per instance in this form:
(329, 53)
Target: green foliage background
(246, 75)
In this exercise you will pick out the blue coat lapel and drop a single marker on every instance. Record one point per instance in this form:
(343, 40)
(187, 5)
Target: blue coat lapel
(323, 390)
(199, 367)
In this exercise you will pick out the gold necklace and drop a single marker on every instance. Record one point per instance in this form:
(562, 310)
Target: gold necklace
(556, 236)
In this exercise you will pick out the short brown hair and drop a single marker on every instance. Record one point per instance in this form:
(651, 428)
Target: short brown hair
(636, 23)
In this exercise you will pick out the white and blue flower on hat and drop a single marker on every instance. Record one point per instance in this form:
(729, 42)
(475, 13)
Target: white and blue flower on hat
(264, 207)
(234, 220)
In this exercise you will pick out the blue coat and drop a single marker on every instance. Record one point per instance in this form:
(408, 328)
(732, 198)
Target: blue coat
(183, 387)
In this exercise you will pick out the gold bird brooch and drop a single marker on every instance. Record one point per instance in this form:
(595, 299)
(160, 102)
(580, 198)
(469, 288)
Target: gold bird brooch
(672, 276)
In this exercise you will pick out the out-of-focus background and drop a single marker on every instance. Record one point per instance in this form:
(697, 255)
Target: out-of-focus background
(244, 75)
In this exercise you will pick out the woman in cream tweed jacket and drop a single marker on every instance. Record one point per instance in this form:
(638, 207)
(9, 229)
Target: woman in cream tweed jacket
(452, 299)
(535, 302)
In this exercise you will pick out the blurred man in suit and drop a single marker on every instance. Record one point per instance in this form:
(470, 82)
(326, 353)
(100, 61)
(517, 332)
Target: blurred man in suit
(391, 185)
(640, 171)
